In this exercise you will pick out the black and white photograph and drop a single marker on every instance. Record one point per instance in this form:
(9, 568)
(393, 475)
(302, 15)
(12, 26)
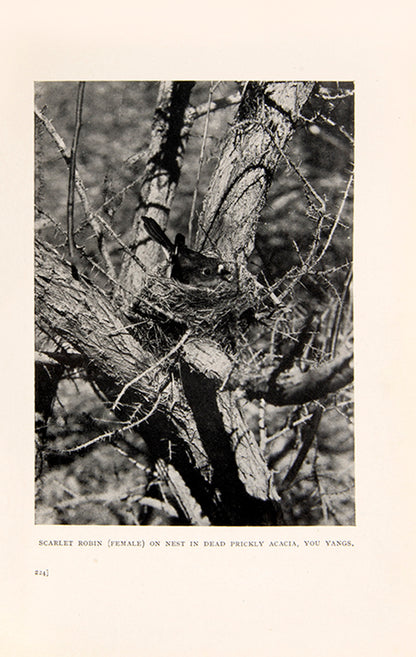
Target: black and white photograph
(194, 303)
(207, 405)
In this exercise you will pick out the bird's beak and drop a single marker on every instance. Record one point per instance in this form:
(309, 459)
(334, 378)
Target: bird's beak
(224, 272)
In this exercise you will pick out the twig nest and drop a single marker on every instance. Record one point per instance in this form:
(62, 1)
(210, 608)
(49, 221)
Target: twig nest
(209, 311)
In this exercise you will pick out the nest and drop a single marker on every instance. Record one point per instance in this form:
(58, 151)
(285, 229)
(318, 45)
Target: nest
(167, 308)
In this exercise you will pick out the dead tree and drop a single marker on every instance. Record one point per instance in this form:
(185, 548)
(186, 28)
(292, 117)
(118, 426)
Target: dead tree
(170, 359)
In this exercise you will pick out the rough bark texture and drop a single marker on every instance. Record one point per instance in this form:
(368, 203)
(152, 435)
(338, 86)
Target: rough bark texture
(293, 387)
(238, 188)
(170, 131)
(186, 437)
(200, 443)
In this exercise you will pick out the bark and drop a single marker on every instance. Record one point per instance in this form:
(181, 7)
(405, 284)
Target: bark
(251, 151)
(301, 387)
(289, 388)
(170, 131)
(180, 435)
(200, 443)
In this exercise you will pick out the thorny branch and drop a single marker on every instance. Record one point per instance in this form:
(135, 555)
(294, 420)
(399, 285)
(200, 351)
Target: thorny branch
(71, 182)
(93, 217)
(108, 435)
(151, 368)
(290, 387)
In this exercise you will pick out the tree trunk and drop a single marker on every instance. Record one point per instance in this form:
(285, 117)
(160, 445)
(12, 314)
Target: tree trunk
(192, 438)
(182, 394)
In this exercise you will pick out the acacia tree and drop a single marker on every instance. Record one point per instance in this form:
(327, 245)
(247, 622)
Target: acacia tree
(181, 371)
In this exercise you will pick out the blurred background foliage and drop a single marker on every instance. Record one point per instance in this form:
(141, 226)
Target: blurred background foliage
(104, 485)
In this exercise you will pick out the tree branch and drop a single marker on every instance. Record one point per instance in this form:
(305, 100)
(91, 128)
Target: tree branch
(238, 188)
(297, 387)
(293, 387)
(71, 181)
(81, 315)
(170, 131)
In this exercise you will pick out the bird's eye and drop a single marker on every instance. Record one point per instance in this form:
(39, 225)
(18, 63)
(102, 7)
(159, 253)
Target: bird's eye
(206, 271)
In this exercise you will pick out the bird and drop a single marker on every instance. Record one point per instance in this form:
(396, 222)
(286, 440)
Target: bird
(188, 266)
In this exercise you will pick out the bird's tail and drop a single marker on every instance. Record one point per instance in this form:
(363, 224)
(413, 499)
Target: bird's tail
(156, 233)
